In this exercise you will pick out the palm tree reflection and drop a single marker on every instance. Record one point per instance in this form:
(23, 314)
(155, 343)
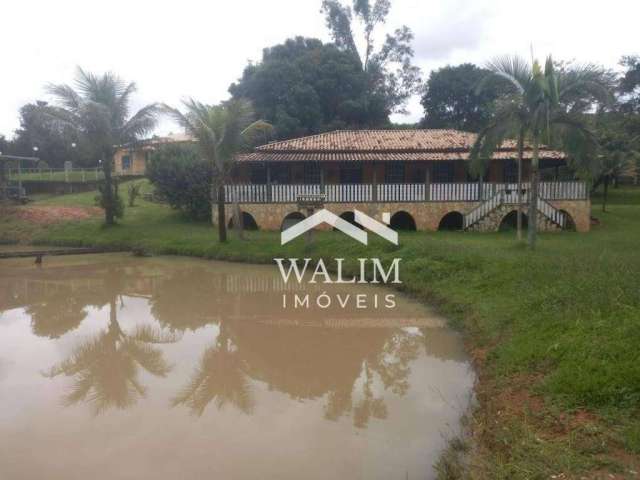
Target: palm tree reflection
(105, 369)
(219, 378)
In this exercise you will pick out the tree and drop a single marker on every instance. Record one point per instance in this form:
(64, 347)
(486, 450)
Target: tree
(98, 111)
(183, 178)
(390, 74)
(629, 87)
(304, 87)
(451, 98)
(56, 141)
(221, 131)
(543, 105)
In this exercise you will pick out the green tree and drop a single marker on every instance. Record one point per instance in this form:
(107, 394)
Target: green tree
(544, 105)
(98, 110)
(56, 142)
(390, 73)
(183, 178)
(221, 131)
(304, 87)
(451, 99)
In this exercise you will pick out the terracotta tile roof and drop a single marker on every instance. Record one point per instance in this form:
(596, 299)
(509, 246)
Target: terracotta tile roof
(382, 145)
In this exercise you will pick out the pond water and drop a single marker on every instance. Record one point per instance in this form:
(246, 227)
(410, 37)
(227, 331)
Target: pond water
(115, 367)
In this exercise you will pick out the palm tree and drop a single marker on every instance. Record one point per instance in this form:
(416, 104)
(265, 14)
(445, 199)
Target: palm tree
(221, 131)
(98, 110)
(544, 105)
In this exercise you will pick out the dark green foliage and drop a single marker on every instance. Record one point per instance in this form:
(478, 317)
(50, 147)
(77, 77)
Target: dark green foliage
(101, 198)
(391, 77)
(630, 84)
(133, 192)
(54, 140)
(182, 178)
(304, 87)
(452, 99)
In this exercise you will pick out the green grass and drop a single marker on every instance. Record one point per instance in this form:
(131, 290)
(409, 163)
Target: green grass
(566, 317)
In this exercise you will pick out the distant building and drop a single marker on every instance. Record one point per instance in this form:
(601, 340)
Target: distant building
(132, 158)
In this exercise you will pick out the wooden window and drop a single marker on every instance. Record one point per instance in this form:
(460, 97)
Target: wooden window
(443, 172)
(126, 162)
(312, 173)
(394, 172)
(351, 173)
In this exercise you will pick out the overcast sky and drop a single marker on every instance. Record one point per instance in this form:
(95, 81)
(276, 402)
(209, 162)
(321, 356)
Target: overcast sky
(173, 50)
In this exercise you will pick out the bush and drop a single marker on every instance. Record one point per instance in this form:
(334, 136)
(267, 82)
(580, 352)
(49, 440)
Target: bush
(101, 201)
(181, 177)
(133, 192)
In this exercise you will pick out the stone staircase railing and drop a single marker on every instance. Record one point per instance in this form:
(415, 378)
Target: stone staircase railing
(502, 197)
(484, 209)
(552, 213)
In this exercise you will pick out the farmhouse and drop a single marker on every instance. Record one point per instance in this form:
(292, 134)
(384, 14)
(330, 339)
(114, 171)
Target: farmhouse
(420, 177)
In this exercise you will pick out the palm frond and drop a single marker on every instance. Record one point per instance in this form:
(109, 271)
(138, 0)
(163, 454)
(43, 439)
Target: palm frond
(512, 68)
(143, 122)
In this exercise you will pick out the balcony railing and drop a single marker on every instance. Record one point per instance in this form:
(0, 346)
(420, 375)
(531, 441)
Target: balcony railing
(402, 192)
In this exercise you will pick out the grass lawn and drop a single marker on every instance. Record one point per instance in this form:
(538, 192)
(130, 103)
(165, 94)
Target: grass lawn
(555, 333)
(58, 175)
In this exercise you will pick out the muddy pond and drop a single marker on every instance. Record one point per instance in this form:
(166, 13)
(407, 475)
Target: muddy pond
(116, 367)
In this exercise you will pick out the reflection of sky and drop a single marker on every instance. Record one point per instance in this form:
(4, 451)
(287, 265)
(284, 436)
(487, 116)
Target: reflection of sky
(280, 439)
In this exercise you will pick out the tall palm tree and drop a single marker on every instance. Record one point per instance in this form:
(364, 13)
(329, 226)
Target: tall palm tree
(98, 109)
(221, 131)
(544, 105)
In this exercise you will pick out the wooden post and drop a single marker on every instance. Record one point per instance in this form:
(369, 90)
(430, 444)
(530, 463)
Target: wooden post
(480, 188)
(427, 182)
(374, 195)
(321, 178)
(269, 196)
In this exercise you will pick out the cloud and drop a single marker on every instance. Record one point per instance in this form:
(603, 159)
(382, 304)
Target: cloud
(458, 26)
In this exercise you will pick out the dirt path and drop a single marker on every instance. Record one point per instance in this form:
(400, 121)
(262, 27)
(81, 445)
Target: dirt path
(45, 215)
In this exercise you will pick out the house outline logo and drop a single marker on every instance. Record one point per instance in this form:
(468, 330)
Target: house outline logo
(325, 216)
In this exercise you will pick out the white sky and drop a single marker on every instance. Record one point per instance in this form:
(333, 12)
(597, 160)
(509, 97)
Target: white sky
(173, 50)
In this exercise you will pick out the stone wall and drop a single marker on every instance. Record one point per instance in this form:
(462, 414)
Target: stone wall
(427, 215)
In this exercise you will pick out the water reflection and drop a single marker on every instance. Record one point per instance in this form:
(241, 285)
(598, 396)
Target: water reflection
(146, 343)
(221, 377)
(105, 368)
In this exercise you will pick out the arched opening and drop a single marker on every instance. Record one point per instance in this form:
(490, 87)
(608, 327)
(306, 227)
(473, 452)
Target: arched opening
(291, 219)
(510, 221)
(248, 222)
(570, 224)
(451, 221)
(402, 221)
(351, 218)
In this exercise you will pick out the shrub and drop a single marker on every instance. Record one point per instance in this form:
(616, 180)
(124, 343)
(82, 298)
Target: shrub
(133, 192)
(181, 177)
(100, 199)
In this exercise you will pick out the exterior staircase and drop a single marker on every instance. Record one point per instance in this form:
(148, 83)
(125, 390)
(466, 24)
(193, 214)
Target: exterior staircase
(488, 215)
